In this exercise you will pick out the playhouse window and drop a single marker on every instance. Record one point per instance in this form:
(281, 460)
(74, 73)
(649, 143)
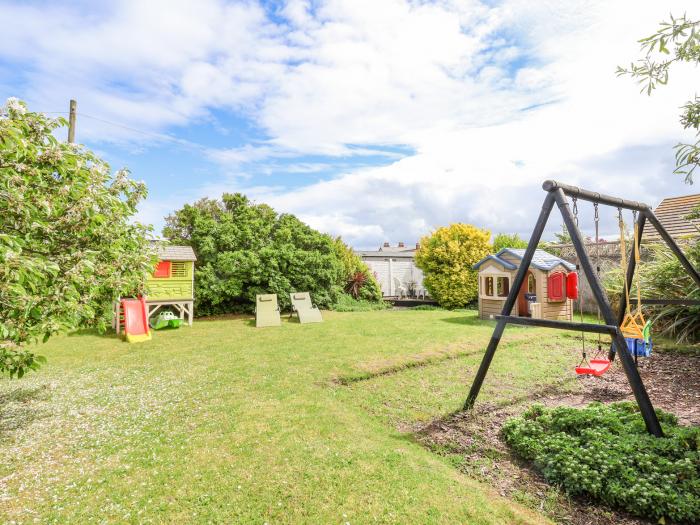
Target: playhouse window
(488, 286)
(502, 286)
(162, 270)
(495, 286)
(178, 269)
(531, 283)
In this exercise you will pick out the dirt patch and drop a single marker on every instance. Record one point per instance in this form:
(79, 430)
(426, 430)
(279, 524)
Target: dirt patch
(472, 439)
(672, 382)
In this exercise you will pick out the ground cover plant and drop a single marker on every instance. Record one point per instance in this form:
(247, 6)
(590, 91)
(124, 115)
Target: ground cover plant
(258, 426)
(604, 452)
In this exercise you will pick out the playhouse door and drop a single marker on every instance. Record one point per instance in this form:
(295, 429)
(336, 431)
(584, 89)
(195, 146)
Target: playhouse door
(522, 301)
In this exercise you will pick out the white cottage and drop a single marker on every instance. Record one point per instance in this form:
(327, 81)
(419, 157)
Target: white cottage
(395, 269)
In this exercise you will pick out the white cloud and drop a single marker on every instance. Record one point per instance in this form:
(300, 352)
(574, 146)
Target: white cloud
(491, 175)
(347, 78)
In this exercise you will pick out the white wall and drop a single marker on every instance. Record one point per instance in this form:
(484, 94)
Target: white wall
(385, 269)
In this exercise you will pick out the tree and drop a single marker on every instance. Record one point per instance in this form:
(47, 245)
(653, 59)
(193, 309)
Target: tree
(683, 37)
(446, 258)
(244, 249)
(68, 245)
(508, 240)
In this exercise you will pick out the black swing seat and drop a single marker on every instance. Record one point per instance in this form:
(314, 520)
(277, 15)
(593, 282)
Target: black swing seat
(596, 367)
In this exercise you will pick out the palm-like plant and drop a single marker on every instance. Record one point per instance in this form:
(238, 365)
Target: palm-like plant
(355, 283)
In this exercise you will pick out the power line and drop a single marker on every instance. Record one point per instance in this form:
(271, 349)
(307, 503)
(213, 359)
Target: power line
(161, 136)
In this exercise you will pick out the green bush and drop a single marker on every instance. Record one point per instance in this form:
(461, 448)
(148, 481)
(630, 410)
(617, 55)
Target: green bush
(508, 240)
(446, 258)
(604, 452)
(347, 303)
(426, 307)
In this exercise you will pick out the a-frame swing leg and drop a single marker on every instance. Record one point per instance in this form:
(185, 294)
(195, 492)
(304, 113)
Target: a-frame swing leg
(633, 377)
(510, 301)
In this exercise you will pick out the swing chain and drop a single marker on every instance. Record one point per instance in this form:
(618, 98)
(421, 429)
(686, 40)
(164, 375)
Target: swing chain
(596, 220)
(580, 299)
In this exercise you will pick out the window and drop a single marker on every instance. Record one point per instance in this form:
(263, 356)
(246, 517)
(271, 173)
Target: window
(531, 287)
(502, 286)
(488, 286)
(162, 270)
(495, 286)
(179, 269)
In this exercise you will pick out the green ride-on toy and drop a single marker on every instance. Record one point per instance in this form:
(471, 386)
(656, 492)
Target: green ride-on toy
(165, 319)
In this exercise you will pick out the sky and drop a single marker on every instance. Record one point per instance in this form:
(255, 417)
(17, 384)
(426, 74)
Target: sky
(374, 120)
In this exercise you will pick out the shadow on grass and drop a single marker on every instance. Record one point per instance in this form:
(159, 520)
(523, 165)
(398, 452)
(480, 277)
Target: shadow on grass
(83, 332)
(469, 320)
(15, 410)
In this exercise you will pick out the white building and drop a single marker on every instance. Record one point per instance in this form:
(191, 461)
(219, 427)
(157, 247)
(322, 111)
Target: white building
(395, 269)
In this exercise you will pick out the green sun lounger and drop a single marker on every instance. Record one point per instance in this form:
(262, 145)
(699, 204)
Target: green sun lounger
(305, 309)
(267, 312)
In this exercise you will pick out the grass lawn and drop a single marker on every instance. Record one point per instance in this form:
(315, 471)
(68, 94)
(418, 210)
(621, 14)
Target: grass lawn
(224, 423)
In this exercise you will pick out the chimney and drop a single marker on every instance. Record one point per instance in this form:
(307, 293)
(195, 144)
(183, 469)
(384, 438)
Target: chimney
(401, 245)
(417, 246)
(386, 245)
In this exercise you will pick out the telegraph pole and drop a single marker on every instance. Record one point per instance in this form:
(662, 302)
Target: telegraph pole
(71, 121)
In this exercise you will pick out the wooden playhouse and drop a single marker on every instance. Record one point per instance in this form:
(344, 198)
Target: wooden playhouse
(544, 293)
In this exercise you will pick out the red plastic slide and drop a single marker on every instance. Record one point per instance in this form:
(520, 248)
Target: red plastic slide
(135, 320)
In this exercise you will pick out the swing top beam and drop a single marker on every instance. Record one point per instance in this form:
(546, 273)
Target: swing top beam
(591, 196)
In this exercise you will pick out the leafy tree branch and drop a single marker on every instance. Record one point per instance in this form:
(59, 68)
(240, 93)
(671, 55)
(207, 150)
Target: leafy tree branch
(674, 41)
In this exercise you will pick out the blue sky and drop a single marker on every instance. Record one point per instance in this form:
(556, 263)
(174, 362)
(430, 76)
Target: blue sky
(378, 121)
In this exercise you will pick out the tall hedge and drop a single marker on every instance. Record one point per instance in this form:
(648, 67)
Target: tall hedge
(244, 249)
(446, 257)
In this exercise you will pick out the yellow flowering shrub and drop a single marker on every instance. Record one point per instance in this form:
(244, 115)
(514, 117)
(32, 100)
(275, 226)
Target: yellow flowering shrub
(446, 257)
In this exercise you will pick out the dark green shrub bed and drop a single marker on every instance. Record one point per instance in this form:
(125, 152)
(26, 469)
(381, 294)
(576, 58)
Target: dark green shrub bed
(603, 452)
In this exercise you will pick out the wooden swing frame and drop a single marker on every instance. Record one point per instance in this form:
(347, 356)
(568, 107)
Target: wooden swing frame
(557, 193)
